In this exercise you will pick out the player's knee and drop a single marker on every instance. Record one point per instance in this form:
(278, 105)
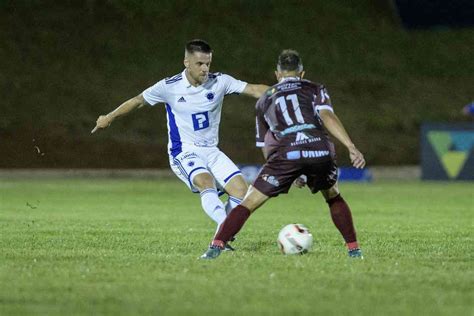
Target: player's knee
(203, 181)
(254, 199)
(237, 187)
(240, 191)
(331, 192)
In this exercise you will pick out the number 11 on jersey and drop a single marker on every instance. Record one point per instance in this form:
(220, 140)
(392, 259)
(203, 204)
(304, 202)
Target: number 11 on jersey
(293, 98)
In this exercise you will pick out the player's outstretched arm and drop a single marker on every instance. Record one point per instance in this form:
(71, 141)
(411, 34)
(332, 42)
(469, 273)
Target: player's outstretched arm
(255, 90)
(105, 120)
(335, 127)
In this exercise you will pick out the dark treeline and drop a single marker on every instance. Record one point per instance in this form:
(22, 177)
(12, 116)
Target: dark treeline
(63, 64)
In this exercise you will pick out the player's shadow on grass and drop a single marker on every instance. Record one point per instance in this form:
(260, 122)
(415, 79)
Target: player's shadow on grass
(258, 246)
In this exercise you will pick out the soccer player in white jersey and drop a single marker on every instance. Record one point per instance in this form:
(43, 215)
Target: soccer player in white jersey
(193, 100)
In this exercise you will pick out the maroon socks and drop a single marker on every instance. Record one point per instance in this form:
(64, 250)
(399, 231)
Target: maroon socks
(340, 214)
(342, 218)
(231, 226)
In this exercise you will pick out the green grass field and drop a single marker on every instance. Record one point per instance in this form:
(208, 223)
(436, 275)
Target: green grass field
(130, 247)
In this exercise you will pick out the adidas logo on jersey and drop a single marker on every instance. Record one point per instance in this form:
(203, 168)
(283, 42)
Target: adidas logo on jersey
(182, 99)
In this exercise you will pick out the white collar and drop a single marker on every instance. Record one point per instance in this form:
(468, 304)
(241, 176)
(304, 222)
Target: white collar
(188, 84)
(288, 79)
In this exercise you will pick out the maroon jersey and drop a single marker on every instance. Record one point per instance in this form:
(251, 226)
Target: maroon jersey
(288, 121)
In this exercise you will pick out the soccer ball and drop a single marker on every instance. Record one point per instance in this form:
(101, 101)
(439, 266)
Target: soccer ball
(295, 239)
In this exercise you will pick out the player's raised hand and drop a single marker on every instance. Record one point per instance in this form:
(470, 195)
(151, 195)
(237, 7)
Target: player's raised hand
(357, 158)
(102, 122)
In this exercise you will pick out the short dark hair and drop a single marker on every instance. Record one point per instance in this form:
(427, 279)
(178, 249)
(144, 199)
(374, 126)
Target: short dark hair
(289, 60)
(198, 45)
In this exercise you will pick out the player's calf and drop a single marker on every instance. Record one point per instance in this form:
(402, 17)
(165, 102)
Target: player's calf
(342, 218)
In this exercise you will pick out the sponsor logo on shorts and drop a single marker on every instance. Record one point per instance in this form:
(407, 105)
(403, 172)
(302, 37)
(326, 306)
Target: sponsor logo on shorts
(188, 156)
(314, 153)
(271, 179)
(293, 155)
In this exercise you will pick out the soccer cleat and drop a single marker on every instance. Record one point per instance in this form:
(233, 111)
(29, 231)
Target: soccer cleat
(212, 253)
(229, 248)
(355, 253)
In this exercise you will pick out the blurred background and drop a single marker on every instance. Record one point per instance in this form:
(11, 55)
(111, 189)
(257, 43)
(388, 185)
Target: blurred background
(389, 66)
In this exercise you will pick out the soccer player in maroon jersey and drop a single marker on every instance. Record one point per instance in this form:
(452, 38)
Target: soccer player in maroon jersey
(293, 118)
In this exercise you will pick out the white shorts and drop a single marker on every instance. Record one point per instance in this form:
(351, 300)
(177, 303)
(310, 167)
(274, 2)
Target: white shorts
(194, 160)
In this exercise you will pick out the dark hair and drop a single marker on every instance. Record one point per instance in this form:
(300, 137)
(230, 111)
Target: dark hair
(289, 60)
(197, 45)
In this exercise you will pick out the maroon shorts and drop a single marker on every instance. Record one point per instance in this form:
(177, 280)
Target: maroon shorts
(277, 175)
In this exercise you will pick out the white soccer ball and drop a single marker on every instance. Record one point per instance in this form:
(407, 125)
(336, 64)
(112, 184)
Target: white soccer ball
(295, 239)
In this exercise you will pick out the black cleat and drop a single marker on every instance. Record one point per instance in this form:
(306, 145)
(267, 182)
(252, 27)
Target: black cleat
(229, 248)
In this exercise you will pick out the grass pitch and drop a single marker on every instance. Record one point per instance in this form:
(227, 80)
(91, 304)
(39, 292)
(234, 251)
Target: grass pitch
(126, 247)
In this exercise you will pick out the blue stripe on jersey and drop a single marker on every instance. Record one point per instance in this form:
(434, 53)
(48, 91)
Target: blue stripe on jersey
(182, 170)
(232, 175)
(175, 77)
(173, 81)
(214, 75)
(180, 167)
(178, 77)
(174, 133)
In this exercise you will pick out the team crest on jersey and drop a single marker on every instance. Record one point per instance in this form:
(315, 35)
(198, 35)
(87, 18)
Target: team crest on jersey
(210, 96)
(191, 163)
(271, 179)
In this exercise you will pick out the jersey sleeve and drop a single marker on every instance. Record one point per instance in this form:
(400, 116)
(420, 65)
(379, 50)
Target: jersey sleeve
(156, 93)
(261, 126)
(322, 100)
(232, 85)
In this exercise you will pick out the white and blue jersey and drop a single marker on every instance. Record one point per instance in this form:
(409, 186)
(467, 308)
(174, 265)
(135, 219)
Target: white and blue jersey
(194, 113)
